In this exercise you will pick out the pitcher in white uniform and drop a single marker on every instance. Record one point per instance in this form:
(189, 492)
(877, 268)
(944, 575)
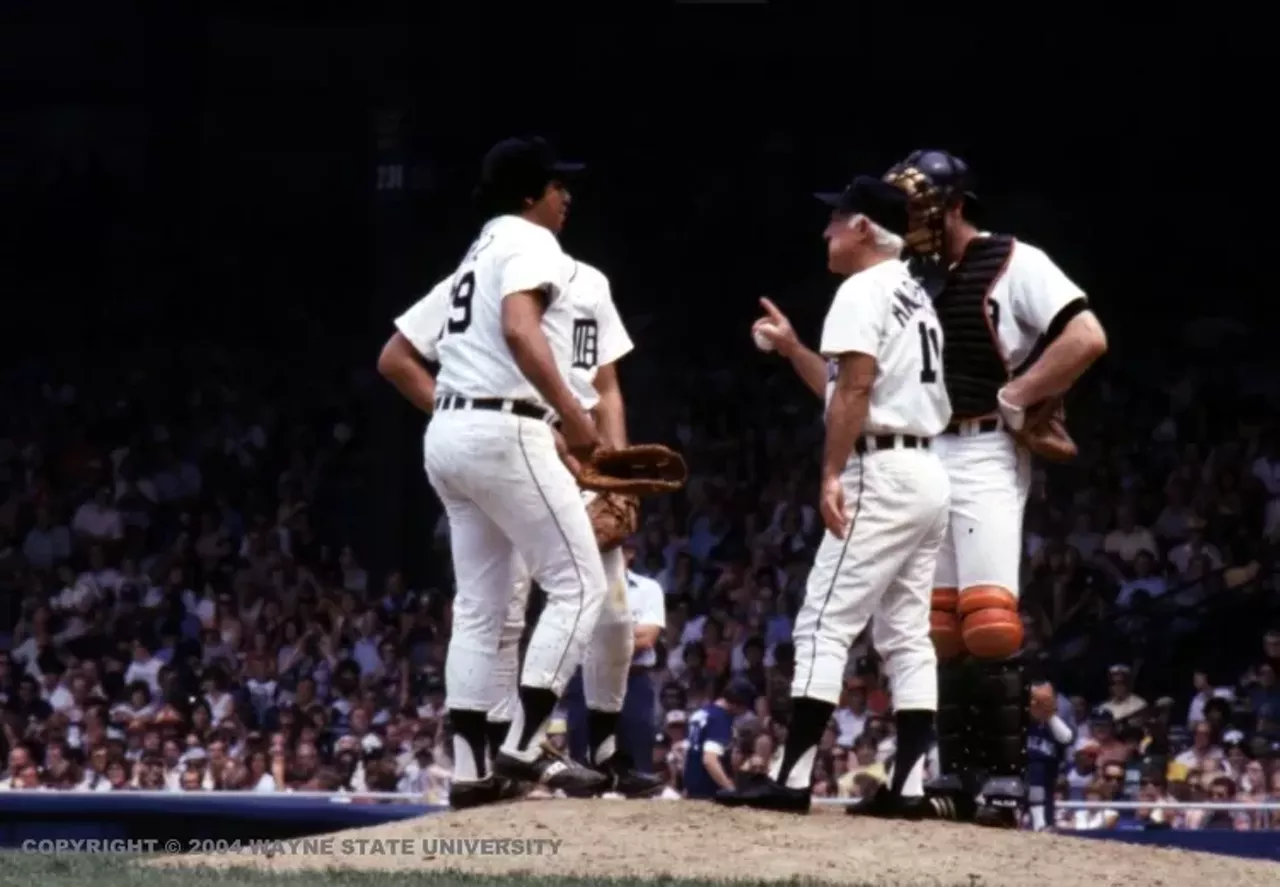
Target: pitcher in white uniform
(492, 457)
(884, 497)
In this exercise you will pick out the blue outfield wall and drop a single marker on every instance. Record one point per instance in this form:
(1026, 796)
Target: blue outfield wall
(187, 818)
(191, 819)
(1251, 845)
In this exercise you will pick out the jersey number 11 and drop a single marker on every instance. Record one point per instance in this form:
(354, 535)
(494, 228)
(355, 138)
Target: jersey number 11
(930, 353)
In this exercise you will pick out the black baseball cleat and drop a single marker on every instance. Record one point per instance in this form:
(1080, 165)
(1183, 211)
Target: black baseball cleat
(759, 791)
(490, 790)
(553, 770)
(950, 799)
(629, 782)
(885, 805)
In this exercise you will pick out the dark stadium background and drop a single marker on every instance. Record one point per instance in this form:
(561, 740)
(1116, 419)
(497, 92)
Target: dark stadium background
(285, 187)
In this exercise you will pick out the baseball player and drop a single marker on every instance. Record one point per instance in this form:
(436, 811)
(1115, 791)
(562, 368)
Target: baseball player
(635, 721)
(599, 340)
(884, 497)
(492, 456)
(1047, 740)
(707, 769)
(1018, 334)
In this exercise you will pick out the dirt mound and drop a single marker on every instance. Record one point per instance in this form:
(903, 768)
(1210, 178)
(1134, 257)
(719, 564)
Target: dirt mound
(693, 840)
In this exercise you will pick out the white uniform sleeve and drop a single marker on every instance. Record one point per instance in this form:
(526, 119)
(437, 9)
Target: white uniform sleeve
(535, 262)
(614, 341)
(424, 321)
(855, 321)
(648, 607)
(1038, 289)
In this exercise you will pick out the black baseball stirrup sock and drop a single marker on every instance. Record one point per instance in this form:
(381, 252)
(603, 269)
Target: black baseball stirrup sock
(537, 703)
(470, 725)
(601, 726)
(914, 728)
(496, 733)
(809, 719)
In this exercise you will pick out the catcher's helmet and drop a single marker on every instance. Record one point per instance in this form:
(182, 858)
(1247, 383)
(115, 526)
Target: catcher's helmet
(934, 181)
(946, 172)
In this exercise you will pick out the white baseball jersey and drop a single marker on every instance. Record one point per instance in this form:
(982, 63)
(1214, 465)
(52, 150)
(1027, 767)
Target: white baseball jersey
(597, 336)
(1025, 299)
(511, 255)
(648, 607)
(885, 313)
(423, 323)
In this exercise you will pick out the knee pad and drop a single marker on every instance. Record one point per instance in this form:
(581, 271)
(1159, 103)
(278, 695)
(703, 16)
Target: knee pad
(990, 627)
(944, 624)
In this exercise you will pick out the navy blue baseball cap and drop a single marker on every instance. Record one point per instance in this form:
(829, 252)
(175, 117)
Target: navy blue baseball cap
(517, 168)
(879, 201)
(740, 692)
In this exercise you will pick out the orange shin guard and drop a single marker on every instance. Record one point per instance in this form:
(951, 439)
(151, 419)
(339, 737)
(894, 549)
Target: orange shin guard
(990, 627)
(944, 625)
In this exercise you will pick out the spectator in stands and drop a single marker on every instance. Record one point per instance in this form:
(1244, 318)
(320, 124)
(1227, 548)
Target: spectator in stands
(1123, 702)
(1128, 539)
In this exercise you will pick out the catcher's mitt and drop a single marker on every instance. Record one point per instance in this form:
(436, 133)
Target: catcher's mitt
(1045, 434)
(614, 517)
(641, 470)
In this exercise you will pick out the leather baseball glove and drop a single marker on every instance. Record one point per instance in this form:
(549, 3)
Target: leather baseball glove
(614, 517)
(1045, 434)
(638, 470)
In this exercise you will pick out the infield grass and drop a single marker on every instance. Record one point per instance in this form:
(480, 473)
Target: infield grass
(100, 870)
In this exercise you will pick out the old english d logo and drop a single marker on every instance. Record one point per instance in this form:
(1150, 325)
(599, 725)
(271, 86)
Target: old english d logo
(585, 344)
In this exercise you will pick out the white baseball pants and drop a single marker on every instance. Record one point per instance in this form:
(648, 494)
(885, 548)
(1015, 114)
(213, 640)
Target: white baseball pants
(507, 494)
(990, 479)
(881, 571)
(608, 659)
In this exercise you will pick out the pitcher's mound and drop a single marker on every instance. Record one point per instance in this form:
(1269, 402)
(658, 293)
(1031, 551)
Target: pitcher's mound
(694, 840)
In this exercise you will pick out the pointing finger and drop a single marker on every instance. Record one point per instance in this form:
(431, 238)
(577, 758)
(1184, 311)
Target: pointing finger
(771, 309)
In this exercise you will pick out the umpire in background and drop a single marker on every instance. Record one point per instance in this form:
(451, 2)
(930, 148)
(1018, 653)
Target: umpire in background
(636, 724)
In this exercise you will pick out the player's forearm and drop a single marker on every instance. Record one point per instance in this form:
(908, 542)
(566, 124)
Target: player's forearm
(532, 354)
(716, 771)
(399, 364)
(845, 419)
(1062, 363)
(646, 636)
(611, 417)
(811, 367)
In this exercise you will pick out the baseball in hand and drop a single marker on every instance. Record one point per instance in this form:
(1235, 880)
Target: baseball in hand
(762, 341)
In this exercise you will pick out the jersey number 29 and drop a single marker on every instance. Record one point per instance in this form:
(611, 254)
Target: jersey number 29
(930, 353)
(460, 303)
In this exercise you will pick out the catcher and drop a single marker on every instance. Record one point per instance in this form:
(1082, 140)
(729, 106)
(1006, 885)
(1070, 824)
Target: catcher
(1018, 333)
(612, 482)
(622, 473)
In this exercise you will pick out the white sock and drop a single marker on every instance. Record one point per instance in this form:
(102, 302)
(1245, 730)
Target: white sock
(511, 745)
(464, 762)
(801, 775)
(605, 751)
(913, 787)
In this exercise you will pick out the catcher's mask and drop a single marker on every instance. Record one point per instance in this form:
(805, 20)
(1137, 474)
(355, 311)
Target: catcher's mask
(934, 181)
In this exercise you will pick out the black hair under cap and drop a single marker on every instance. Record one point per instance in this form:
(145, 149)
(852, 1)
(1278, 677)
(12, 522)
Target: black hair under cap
(879, 201)
(517, 168)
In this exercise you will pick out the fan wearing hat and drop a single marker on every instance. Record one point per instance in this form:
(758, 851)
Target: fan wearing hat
(1018, 333)
(883, 498)
(495, 460)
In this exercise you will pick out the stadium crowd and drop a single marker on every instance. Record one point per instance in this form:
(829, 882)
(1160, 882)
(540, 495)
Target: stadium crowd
(189, 611)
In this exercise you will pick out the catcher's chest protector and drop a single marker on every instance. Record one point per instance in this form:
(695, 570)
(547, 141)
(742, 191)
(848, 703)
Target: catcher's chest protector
(974, 367)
